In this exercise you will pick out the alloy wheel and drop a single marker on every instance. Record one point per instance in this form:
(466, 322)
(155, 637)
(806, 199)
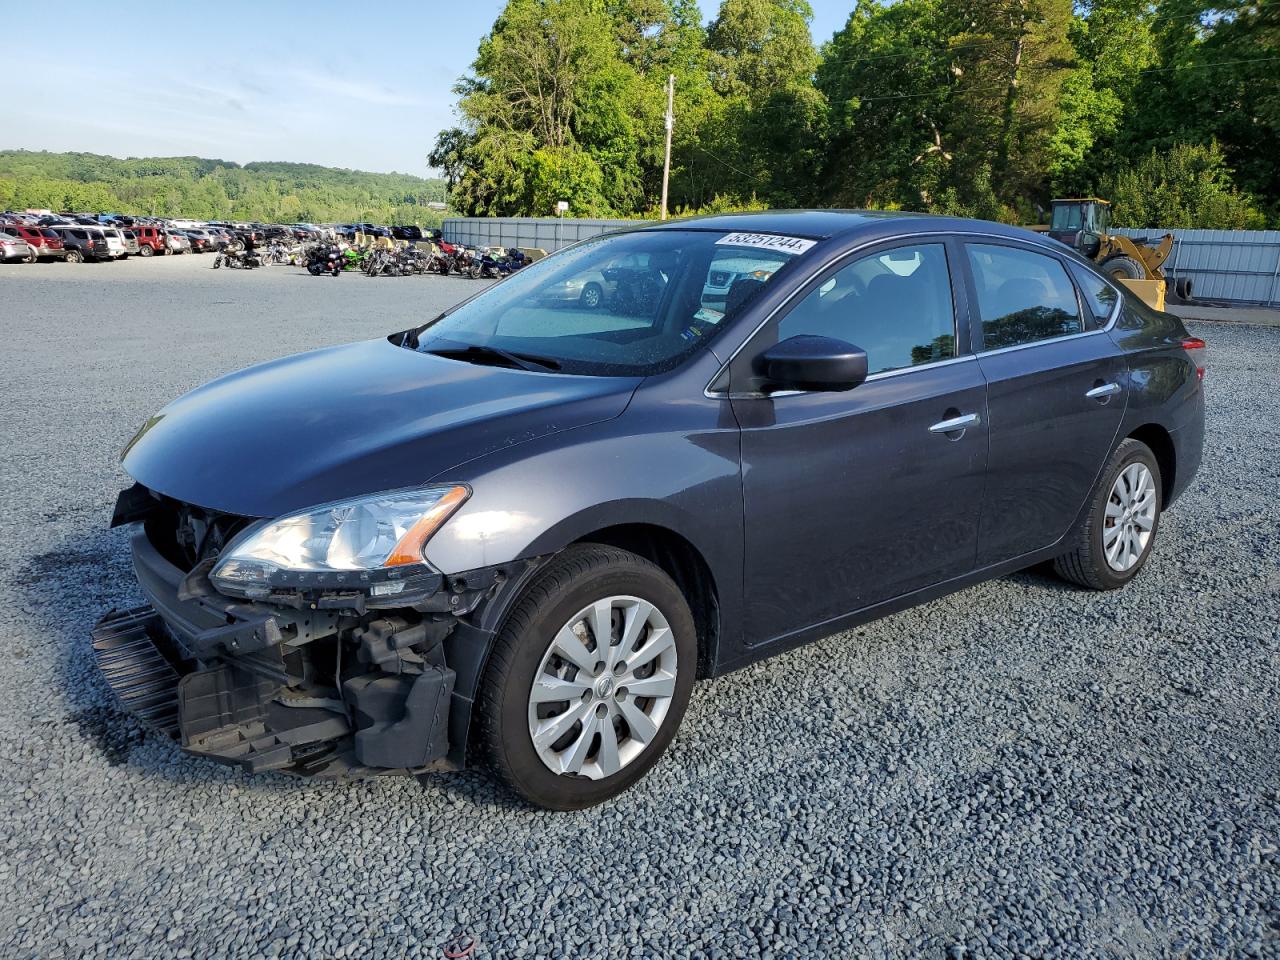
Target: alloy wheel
(1130, 517)
(603, 688)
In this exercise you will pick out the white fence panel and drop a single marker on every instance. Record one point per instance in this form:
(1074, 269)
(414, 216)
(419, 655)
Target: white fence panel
(1234, 266)
(549, 233)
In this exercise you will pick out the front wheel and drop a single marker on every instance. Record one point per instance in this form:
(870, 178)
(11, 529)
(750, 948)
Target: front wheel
(1115, 540)
(1124, 268)
(146, 252)
(588, 679)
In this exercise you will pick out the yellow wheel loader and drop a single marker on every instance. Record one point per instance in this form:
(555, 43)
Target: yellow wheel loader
(1082, 223)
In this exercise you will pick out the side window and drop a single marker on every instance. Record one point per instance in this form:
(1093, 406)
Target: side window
(895, 305)
(1099, 296)
(1023, 296)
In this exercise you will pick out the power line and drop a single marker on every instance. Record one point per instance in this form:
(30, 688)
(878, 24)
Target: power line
(937, 90)
(725, 163)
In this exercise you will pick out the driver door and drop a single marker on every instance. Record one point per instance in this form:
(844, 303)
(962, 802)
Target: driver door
(857, 497)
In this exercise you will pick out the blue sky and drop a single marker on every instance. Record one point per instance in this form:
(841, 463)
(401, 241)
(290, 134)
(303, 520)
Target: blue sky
(339, 83)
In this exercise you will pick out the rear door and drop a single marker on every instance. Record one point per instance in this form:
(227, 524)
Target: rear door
(853, 498)
(1056, 394)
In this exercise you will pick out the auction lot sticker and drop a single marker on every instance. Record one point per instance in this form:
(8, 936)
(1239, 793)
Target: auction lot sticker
(767, 241)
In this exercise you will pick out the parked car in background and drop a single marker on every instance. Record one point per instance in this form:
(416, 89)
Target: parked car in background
(177, 242)
(131, 245)
(729, 271)
(589, 290)
(81, 243)
(45, 241)
(201, 240)
(151, 239)
(115, 242)
(14, 249)
(220, 239)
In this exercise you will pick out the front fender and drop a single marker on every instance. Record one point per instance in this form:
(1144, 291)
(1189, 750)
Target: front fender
(669, 465)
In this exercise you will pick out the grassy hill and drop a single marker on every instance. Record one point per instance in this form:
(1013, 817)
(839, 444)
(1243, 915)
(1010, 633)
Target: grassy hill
(212, 189)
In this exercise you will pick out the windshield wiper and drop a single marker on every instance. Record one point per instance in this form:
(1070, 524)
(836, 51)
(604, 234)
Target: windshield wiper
(484, 353)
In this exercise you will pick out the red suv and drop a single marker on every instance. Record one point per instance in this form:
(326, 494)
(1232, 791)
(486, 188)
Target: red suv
(46, 243)
(150, 240)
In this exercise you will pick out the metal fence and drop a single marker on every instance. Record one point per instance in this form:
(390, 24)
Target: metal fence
(548, 233)
(1235, 266)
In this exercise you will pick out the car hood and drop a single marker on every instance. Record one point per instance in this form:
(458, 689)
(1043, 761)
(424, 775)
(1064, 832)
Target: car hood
(351, 420)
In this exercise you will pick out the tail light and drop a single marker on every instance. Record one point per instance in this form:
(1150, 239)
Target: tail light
(1197, 350)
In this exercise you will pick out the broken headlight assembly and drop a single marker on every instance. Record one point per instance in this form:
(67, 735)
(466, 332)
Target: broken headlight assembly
(373, 544)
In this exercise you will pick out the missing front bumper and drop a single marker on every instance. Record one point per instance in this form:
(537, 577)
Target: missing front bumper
(274, 711)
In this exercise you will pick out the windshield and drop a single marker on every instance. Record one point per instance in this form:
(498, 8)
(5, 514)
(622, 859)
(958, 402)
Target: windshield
(1066, 217)
(631, 304)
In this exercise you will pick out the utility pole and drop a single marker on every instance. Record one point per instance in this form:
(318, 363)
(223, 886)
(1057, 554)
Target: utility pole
(671, 122)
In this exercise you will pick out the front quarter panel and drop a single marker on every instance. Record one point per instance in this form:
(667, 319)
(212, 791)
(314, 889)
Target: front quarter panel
(670, 460)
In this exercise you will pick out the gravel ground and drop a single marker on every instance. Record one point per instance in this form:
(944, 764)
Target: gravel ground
(1023, 769)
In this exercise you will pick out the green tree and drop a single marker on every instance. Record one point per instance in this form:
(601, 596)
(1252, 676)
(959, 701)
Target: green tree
(212, 189)
(1187, 186)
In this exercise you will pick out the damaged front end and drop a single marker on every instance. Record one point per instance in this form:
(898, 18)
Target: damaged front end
(333, 679)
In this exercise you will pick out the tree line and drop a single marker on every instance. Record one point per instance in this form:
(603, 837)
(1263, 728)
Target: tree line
(985, 108)
(213, 189)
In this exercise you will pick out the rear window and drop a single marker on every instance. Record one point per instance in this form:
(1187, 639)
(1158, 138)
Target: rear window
(51, 234)
(1099, 296)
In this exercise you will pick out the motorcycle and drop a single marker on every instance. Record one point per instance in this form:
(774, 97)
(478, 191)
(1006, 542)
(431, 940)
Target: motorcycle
(324, 258)
(237, 260)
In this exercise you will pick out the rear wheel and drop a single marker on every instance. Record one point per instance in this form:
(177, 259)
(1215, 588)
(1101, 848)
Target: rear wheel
(1123, 268)
(75, 256)
(588, 679)
(1115, 540)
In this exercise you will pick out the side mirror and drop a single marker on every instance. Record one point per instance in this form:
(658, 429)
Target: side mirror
(814, 363)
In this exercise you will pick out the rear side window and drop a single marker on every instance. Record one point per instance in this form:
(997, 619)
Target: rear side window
(1099, 296)
(82, 234)
(1023, 296)
(51, 234)
(895, 305)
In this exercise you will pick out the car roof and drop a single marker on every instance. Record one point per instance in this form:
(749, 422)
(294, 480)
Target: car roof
(845, 224)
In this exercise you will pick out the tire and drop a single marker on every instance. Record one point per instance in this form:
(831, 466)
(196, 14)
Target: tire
(1088, 563)
(475, 271)
(147, 252)
(1123, 268)
(591, 296)
(74, 256)
(568, 587)
(30, 258)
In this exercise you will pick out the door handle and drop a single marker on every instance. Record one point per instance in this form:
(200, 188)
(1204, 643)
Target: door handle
(1103, 391)
(953, 424)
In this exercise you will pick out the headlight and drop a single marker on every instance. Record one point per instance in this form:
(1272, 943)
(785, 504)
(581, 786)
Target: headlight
(370, 542)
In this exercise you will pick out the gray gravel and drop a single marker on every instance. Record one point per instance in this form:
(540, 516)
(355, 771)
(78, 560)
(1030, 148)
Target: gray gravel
(1023, 769)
